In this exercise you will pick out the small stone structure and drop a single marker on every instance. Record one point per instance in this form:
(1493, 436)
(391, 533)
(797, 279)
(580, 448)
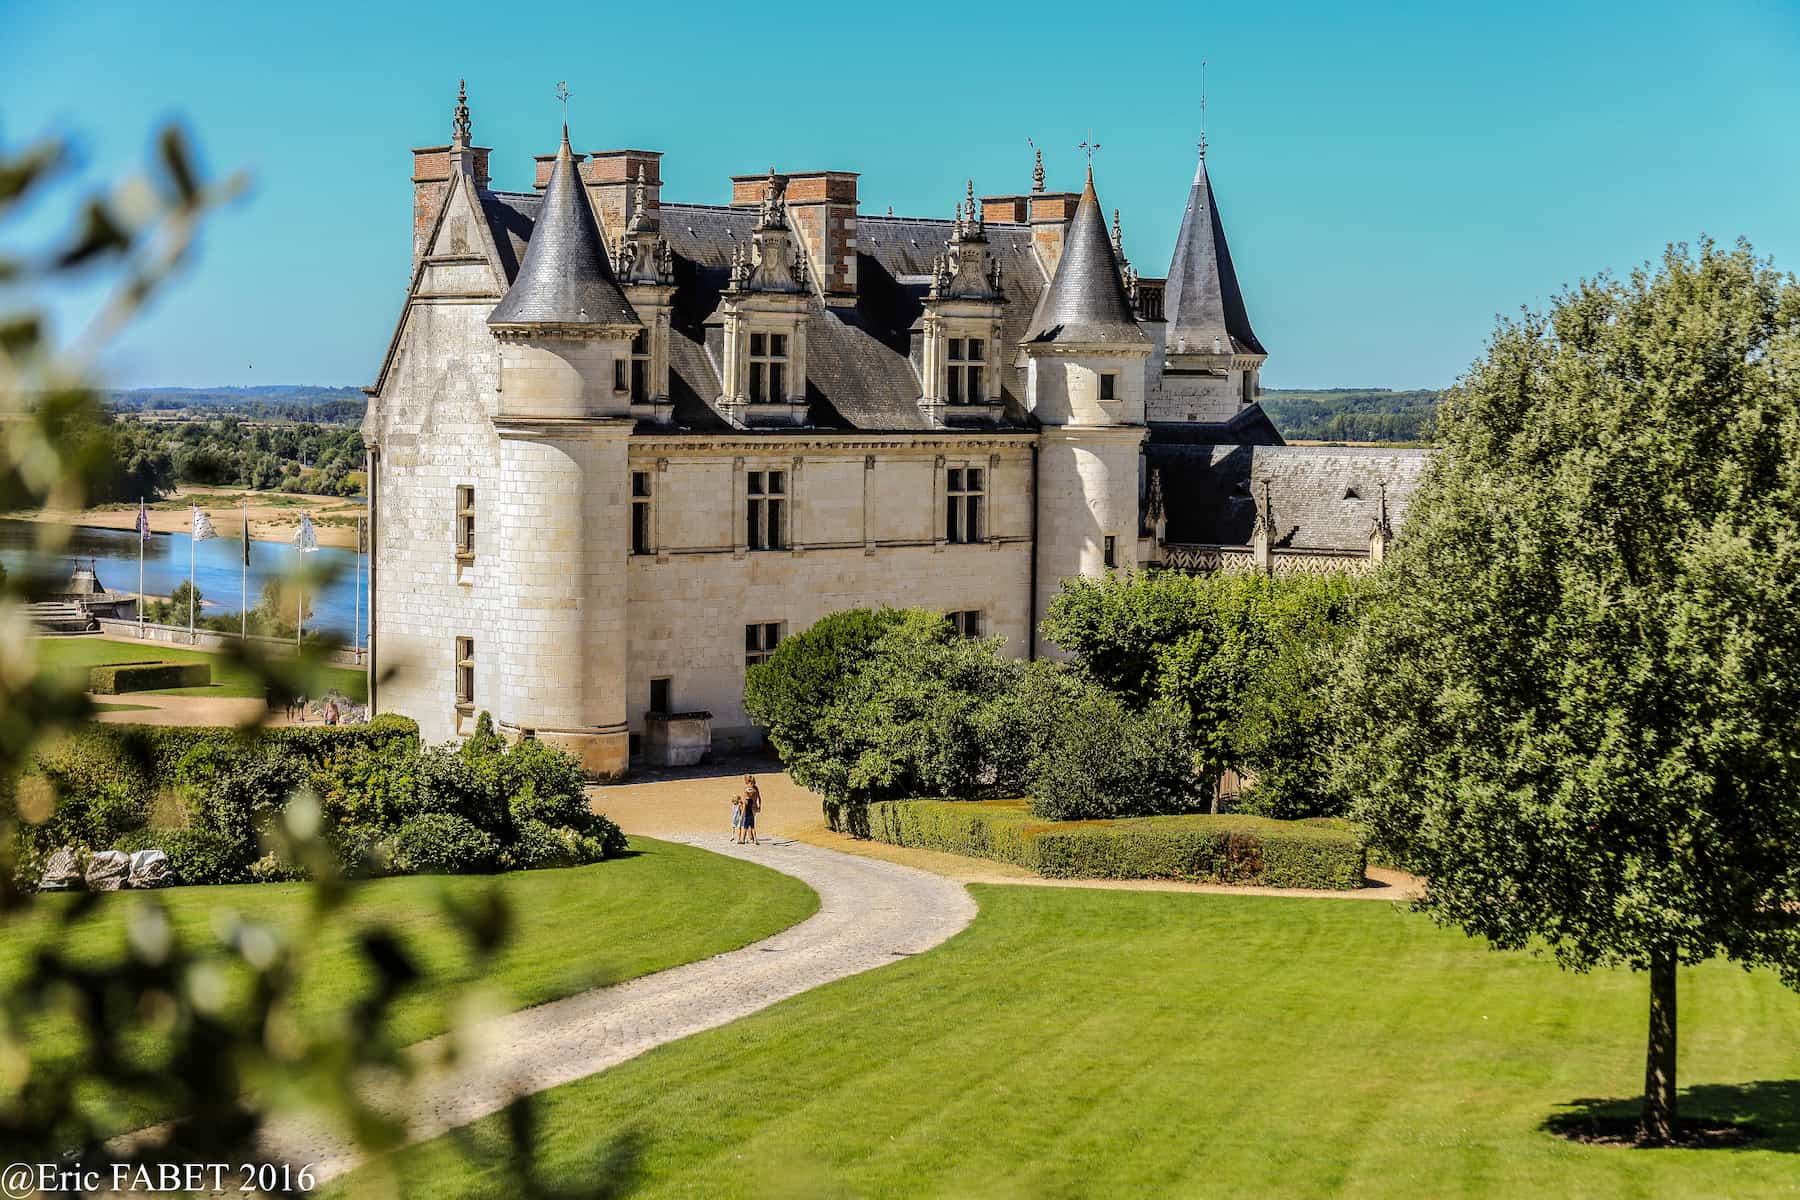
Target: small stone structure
(677, 739)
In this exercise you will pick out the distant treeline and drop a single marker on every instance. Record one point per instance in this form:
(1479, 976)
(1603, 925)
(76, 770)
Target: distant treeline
(319, 405)
(1353, 414)
(148, 459)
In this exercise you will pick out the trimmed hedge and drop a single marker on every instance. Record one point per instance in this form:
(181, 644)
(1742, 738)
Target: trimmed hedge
(1197, 848)
(115, 678)
(159, 749)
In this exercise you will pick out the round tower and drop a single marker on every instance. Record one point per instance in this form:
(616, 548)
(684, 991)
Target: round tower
(1086, 367)
(564, 421)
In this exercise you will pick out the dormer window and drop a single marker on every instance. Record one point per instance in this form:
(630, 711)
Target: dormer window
(768, 368)
(966, 361)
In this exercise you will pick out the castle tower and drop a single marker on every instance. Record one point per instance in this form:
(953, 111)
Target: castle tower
(1086, 369)
(565, 331)
(1210, 356)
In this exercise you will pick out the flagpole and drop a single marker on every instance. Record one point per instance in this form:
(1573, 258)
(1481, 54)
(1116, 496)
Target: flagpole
(141, 539)
(356, 613)
(192, 540)
(244, 582)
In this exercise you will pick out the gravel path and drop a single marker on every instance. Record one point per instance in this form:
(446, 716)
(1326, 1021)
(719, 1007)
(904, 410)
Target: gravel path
(870, 913)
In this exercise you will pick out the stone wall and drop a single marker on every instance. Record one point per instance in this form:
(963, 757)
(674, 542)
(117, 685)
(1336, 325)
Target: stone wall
(209, 639)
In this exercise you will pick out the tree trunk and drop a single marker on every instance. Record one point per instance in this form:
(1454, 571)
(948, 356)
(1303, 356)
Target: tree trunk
(1658, 1124)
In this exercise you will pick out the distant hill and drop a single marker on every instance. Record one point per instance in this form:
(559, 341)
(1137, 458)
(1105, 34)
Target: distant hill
(291, 402)
(1352, 414)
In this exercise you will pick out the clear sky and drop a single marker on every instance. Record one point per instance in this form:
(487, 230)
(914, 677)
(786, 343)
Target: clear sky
(1391, 175)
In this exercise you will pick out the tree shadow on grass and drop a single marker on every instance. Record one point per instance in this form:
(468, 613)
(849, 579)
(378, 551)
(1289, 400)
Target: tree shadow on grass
(1762, 1115)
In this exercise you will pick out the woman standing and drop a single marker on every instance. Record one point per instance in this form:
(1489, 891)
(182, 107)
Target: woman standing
(752, 806)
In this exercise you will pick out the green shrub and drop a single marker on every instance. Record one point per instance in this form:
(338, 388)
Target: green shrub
(442, 843)
(204, 856)
(543, 784)
(461, 785)
(538, 846)
(114, 678)
(1197, 847)
(1103, 760)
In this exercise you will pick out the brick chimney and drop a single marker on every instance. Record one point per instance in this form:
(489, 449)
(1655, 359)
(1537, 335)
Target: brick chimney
(1004, 210)
(611, 178)
(431, 183)
(822, 209)
(1049, 218)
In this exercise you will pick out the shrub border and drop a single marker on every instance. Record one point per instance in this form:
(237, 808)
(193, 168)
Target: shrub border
(1196, 848)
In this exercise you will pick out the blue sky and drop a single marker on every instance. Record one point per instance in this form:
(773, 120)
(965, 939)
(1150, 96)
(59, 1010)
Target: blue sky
(1391, 176)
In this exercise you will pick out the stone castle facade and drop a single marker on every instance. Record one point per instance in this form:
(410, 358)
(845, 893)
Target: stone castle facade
(620, 446)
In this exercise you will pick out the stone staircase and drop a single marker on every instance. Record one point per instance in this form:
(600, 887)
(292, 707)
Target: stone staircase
(61, 616)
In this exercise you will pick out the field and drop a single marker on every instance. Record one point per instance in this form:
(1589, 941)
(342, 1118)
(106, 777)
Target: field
(574, 929)
(230, 679)
(1090, 1044)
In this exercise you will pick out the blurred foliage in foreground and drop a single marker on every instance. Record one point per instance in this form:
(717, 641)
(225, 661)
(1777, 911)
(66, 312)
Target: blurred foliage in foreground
(201, 1030)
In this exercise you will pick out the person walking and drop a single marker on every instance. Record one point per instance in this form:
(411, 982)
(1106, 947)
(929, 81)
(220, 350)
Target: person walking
(752, 806)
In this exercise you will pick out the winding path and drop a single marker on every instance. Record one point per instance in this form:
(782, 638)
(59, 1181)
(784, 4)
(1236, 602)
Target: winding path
(870, 913)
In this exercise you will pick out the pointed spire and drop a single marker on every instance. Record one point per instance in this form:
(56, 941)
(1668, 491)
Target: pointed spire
(1203, 303)
(565, 279)
(1086, 301)
(461, 129)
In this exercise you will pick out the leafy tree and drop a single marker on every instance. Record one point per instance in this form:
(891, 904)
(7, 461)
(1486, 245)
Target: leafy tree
(1247, 658)
(1573, 710)
(877, 704)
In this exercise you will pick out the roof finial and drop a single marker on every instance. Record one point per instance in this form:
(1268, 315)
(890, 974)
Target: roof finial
(562, 94)
(1118, 236)
(460, 127)
(1037, 170)
(1203, 110)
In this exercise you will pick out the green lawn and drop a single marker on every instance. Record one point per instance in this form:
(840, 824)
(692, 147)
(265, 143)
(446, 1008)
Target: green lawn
(573, 929)
(229, 678)
(1076, 1043)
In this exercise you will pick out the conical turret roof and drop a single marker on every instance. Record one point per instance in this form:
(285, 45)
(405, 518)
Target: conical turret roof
(565, 278)
(1203, 302)
(1086, 301)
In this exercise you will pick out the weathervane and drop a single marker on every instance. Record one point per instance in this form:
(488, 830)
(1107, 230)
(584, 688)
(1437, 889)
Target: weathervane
(562, 94)
(1203, 108)
(1088, 147)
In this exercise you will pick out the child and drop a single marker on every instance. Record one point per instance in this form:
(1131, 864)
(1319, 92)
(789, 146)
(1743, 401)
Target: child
(737, 817)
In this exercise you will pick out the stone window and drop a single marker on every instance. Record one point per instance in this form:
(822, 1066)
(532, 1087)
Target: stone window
(768, 368)
(1112, 551)
(1109, 385)
(967, 622)
(640, 367)
(465, 523)
(760, 641)
(659, 695)
(967, 360)
(641, 540)
(465, 673)
(766, 512)
(965, 488)
(1249, 387)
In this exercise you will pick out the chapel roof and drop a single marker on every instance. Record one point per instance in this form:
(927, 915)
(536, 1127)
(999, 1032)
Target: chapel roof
(1202, 301)
(1322, 497)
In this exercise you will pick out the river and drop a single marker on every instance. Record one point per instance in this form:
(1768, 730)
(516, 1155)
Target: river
(217, 566)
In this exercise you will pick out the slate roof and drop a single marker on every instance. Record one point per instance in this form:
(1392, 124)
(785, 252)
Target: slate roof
(1086, 303)
(1323, 497)
(564, 277)
(862, 362)
(1202, 300)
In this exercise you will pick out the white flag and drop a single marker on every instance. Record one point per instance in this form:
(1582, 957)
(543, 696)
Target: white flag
(305, 539)
(203, 527)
